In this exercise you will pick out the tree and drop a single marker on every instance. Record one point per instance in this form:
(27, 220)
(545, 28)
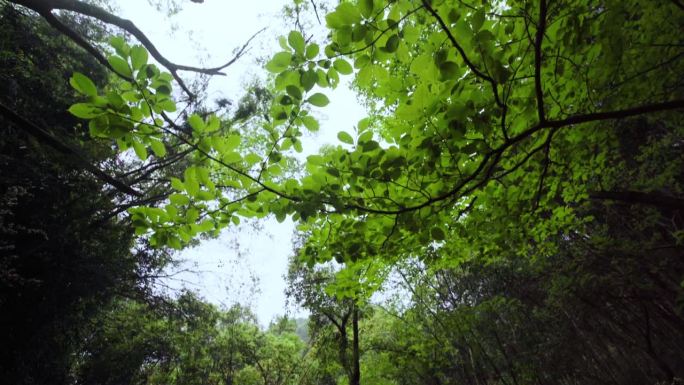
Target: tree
(63, 256)
(534, 140)
(334, 296)
(192, 342)
(504, 111)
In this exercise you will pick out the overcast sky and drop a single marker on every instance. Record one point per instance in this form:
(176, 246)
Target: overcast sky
(207, 34)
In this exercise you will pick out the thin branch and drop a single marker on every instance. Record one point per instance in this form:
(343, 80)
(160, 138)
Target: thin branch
(45, 8)
(313, 3)
(496, 153)
(454, 42)
(80, 41)
(100, 221)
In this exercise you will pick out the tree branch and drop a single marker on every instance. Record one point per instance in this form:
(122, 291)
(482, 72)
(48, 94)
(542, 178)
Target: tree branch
(454, 42)
(53, 142)
(45, 8)
(81, 42)
(496, 153)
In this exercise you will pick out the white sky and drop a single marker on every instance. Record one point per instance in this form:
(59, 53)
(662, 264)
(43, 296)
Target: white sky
(207, 34)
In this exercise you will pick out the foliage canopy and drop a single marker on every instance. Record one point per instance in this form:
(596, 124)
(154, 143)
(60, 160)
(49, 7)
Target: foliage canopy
(520, 170)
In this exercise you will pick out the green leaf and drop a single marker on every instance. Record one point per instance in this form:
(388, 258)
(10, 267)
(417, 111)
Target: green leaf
(295, 92)
(196, 122)
(296, 41)
(118, 43)
(177, 184)
(158, 147)
(167, 105)
(437, 234)
(366, 7)
(174, 243)
(206, 225)
(310, 123)
(298, 145)
(279, 62)
(343, 67)
(232, 157)
(140, 150)
(83, 84)
(119, 65)
(84, 111)
(252, 158)
(345, 137)
(213, 124)
(232, 142)
(318, 100)
(179, 199)
(333, 171)
(190, 181)
(392, 43)
(312, 51)
(369, 146)
(348, 13)
(138, 57)
(477, 19)
(308, 80)
(448, 69)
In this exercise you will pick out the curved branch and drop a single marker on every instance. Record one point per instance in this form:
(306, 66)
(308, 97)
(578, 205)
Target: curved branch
(496, 153)
(45, 8)
(454, 42)
(81, 42)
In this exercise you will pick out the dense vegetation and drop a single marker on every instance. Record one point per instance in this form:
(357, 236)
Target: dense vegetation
(510, 212)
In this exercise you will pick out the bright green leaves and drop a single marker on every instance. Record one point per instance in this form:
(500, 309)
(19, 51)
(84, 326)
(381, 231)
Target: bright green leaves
(120, 46)
(294, 91)
(296, 41)
(120, 66)
(158, 147)
(200, 126)
(318, 99)
(126, 113)
(196, 122)
(190, 181)
(85, 110)
(83, 84)
(310, 123)
(279, 62)
(138, 57)
(343, 67)
(179, 199)
(312, 51)
(309, 79)
(344, 15)
(366, 7)
(344, 137)
(140, 149)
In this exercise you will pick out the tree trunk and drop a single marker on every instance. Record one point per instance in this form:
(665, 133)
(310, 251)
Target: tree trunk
(356, 369)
